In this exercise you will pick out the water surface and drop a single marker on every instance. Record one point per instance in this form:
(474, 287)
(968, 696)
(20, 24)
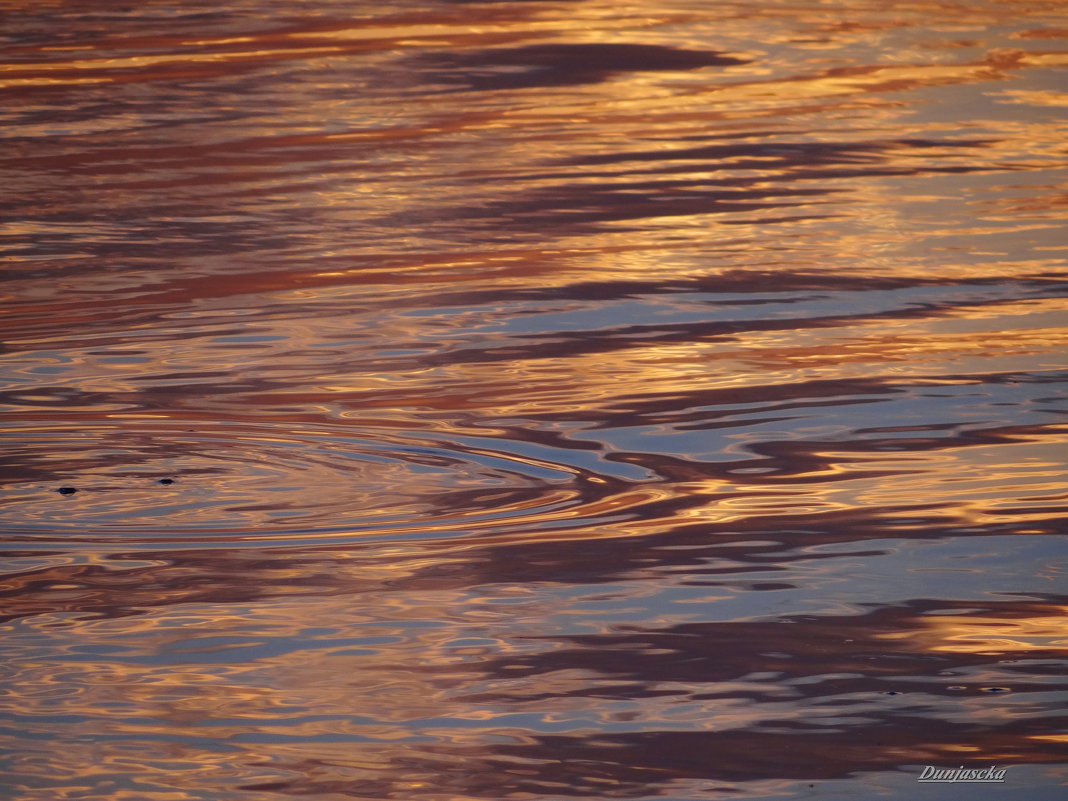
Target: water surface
(532, 400)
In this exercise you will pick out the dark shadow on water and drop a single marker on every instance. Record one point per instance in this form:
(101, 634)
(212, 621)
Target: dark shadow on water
(544, 65)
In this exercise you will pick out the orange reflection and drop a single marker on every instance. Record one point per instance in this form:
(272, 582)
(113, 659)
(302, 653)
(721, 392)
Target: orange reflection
(466, 402)
(982, 635)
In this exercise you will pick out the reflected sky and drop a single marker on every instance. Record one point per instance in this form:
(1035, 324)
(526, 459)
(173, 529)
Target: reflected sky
(451, 400)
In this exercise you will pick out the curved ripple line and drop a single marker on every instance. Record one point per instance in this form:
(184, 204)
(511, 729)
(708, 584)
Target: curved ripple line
(262, 482)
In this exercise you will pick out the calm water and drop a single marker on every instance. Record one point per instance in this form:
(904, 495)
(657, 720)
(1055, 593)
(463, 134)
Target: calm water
(533, 400)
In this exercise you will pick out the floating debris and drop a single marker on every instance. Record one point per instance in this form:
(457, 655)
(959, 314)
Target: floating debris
(67, 490)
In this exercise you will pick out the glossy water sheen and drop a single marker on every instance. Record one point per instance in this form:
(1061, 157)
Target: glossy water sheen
(553, 400)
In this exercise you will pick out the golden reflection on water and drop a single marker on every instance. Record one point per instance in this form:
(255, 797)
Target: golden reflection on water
(531, 400)
(968, 634)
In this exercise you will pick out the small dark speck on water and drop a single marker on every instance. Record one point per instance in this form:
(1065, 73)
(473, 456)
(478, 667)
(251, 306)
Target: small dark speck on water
(67, 490)
(166, 481)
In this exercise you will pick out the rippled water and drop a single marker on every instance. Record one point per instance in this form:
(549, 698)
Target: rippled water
(533, 400)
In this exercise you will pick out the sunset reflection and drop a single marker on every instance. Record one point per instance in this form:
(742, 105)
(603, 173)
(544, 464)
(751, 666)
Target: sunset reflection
(465, 401)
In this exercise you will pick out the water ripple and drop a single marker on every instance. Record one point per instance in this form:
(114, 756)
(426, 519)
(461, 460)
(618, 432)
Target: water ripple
(149, 480)
(453, 400)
